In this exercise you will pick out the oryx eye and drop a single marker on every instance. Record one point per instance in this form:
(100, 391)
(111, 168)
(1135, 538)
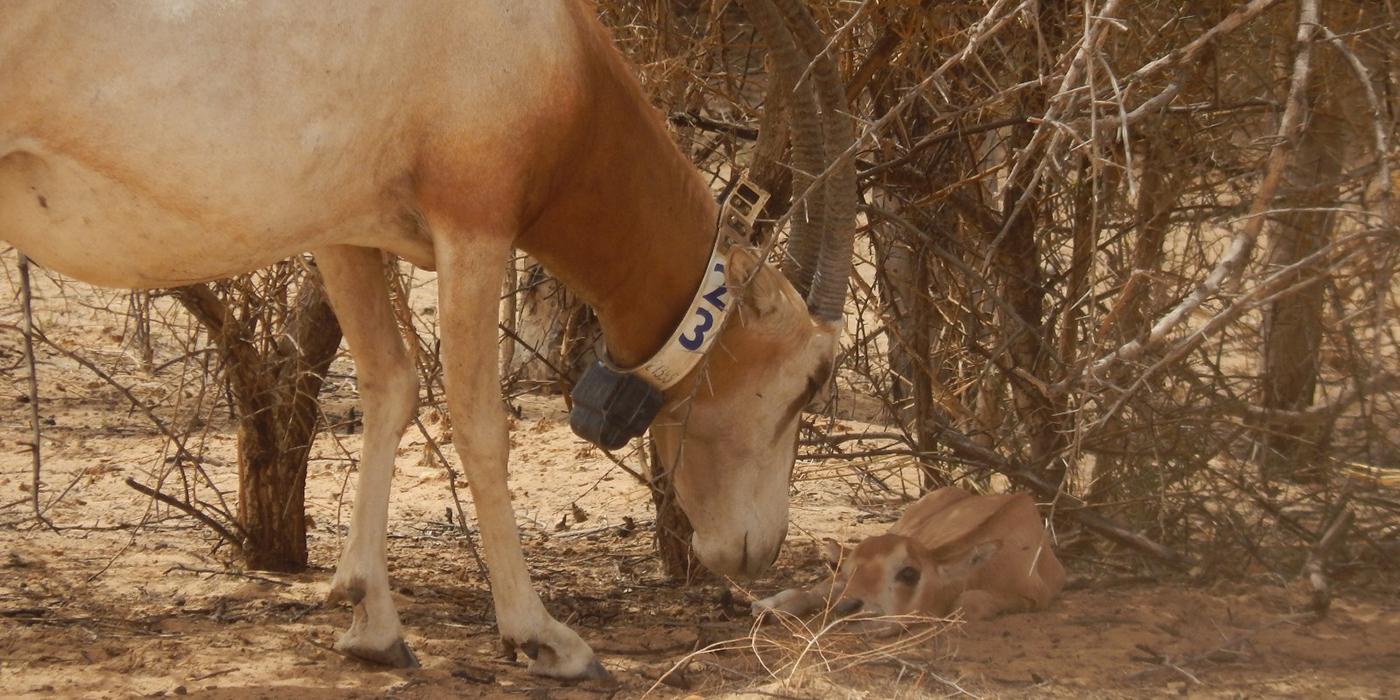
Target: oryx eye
(908, 576)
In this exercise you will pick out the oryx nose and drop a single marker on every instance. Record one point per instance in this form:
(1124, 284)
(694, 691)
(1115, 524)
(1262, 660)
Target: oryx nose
(760, 557)
(757, 558)
(746, 559)
(849, 606)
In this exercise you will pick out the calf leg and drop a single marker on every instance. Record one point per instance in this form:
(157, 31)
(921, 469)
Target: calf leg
(388, 386)
(469, 283)
(793, 601)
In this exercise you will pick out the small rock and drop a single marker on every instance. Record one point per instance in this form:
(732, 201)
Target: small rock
(474, 675)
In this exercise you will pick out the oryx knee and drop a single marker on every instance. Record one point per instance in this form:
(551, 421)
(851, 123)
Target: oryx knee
(390, 394)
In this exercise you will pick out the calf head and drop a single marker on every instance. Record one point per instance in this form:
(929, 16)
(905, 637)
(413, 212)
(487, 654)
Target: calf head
(895, 575)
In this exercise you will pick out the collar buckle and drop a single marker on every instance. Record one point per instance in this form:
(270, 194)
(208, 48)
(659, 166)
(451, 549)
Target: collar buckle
(740, 209)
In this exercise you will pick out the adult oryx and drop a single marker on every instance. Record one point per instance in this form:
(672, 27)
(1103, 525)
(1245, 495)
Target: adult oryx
(162, 142)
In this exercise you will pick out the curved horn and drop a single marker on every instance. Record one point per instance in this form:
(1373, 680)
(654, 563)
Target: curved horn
(808, 147)
(827, 298)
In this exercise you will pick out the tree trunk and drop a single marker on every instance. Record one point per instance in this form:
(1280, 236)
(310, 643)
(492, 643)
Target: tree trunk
(1293, 323)
(271, 502)
(673, 528)
(1131, 315)
(926, 430)
(1018, 261)
(271, 493)
(1018, 258)
(276, 398)
(1292, 329)
(557, 333)
(510, 311)
(896, 274)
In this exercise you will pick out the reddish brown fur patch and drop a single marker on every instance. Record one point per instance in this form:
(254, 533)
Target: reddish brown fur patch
(630, 211)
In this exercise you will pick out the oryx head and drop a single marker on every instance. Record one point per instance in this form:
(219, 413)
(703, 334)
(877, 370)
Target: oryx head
(728, 433)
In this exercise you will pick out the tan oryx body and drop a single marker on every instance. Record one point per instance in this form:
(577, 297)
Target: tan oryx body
(158, 143)
(951, 550)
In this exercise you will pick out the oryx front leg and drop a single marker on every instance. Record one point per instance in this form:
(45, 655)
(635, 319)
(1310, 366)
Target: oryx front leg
(469, 282)
(388, 387)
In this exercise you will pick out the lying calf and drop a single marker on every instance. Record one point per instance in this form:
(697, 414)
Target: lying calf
(951, 550)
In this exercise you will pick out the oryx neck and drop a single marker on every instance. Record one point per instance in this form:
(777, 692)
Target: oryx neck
(632, 229)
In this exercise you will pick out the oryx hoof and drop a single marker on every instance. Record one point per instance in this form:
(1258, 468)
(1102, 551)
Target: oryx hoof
(571, 660)
(397, 654)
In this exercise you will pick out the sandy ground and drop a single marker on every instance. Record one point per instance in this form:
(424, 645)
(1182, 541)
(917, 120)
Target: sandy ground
(133, 600)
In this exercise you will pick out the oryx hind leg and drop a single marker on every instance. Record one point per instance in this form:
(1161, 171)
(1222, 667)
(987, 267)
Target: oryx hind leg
(388, 386)
(469, 283)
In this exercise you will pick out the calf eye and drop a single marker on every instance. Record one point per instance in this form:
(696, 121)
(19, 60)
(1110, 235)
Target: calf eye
(907, 576)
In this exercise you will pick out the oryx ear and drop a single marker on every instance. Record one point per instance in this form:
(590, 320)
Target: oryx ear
(834, 552)
(824, 390)
(761, 289)
(963, 566)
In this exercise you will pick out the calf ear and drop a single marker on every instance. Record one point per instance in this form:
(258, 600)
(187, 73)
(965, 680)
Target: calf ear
(961, 567)
(834, 552)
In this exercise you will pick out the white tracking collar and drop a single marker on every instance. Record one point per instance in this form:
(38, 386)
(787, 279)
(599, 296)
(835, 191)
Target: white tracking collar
(711, 304)
(696, 333)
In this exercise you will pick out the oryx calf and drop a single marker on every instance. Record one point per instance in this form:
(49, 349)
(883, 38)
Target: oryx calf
(951, 550)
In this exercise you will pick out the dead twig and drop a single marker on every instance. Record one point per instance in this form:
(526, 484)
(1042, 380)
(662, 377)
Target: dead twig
(1228, 651)
(228, 572)
(1315, 569)
(189, 510)
(456, 498)
(1242, 245)
(181, 451)
(27, 302)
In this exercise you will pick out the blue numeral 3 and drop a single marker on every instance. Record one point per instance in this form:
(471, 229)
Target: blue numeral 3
(716, 299)
(707, 320)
